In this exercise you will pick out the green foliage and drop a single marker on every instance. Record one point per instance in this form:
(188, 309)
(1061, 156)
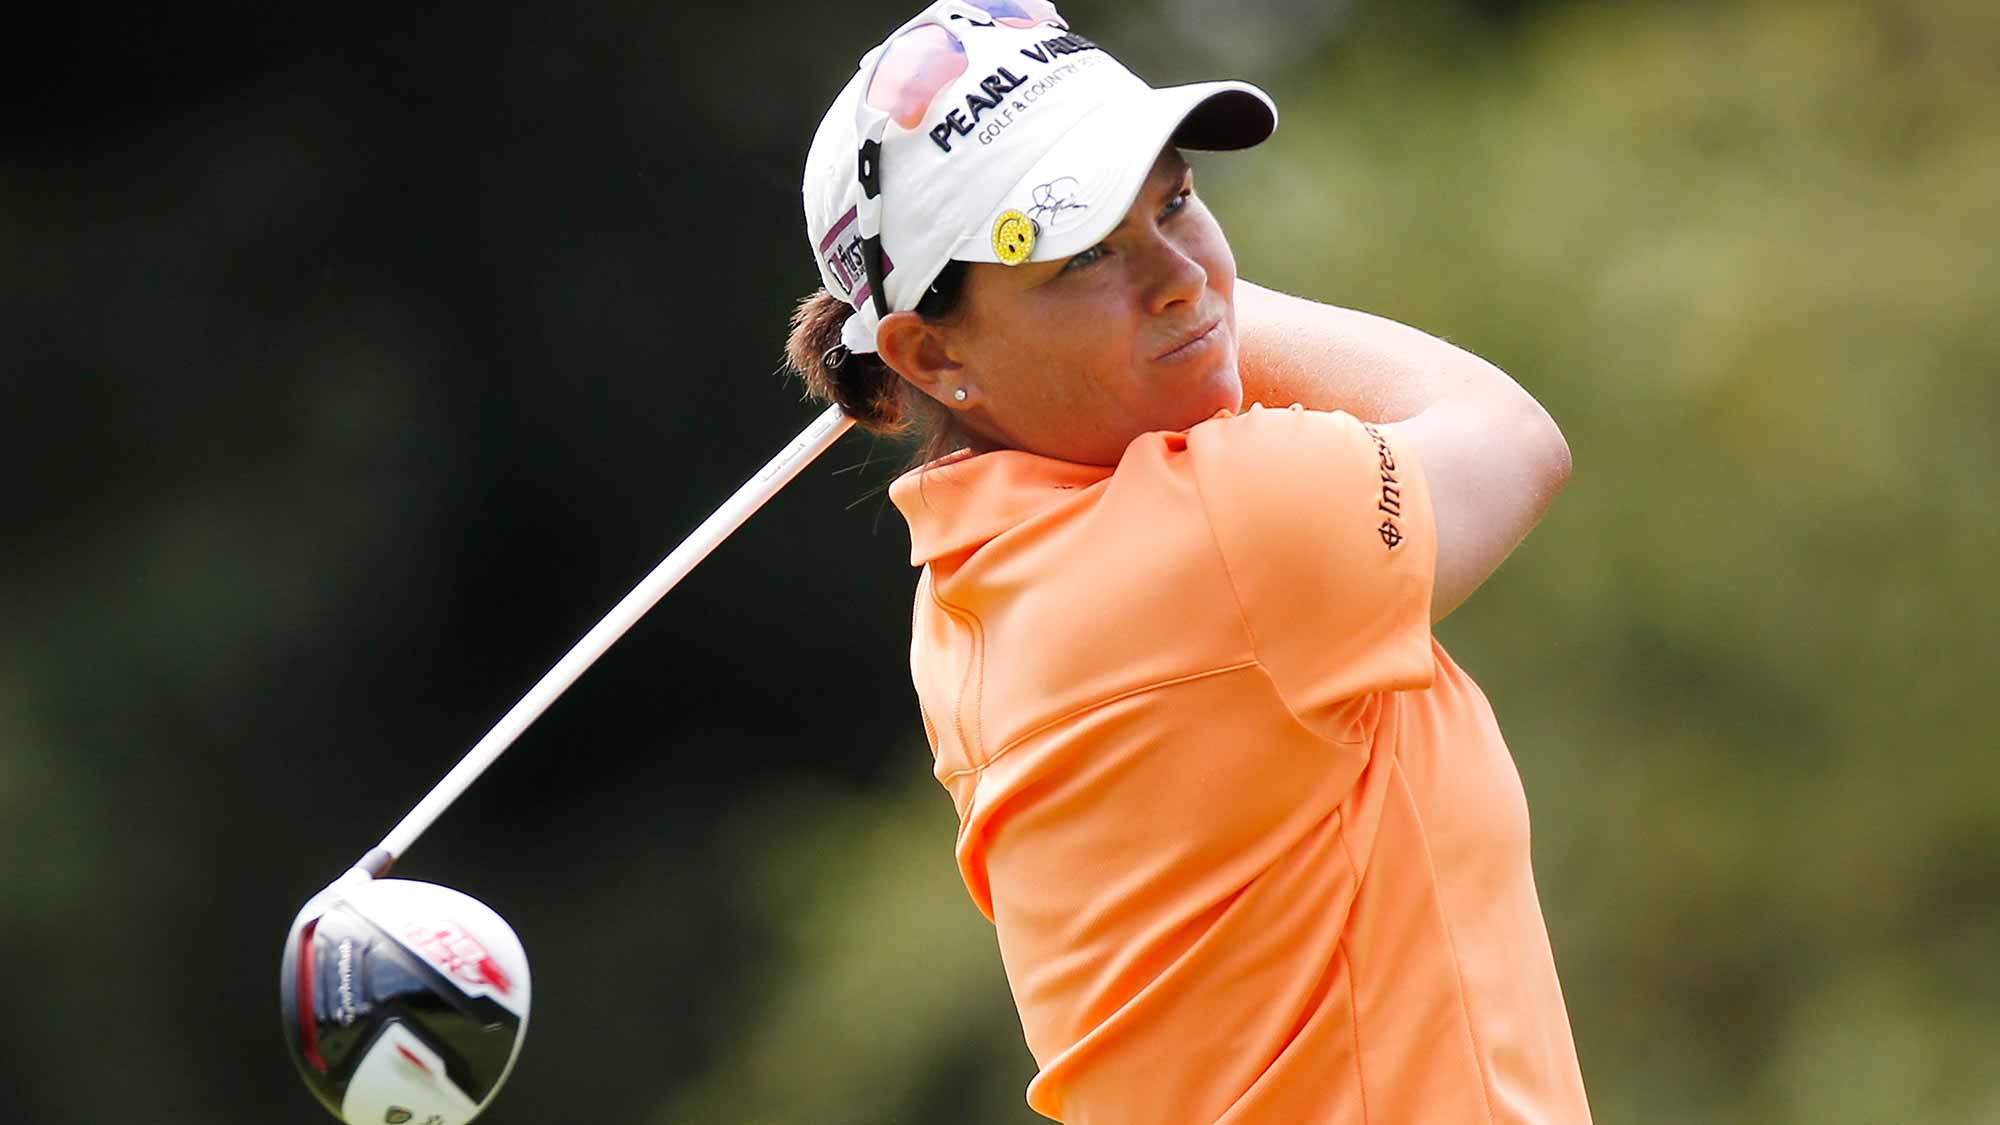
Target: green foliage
(884, 1000)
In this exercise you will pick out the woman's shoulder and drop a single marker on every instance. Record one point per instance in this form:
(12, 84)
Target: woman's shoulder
(1283, 454)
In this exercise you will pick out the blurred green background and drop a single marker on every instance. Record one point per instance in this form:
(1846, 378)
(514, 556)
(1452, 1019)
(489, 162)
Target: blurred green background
(358, 358)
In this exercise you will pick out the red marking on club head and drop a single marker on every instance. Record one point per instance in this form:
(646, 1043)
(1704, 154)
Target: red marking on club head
(411, 1055)
(308, 1018)
(496, 976)
(452, 948)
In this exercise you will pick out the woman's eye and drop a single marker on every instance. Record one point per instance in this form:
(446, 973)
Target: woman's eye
(1085, 258)
(1091, 256)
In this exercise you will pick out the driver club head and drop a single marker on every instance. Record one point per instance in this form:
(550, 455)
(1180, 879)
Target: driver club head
(404, 1002)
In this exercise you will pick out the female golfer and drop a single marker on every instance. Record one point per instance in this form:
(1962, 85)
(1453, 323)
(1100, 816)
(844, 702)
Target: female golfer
(1252, 845)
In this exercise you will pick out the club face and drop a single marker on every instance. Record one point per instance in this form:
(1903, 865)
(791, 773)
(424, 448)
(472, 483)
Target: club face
(402, 1001)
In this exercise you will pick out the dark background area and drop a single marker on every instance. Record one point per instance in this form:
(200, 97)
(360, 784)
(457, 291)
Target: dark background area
(359, 358)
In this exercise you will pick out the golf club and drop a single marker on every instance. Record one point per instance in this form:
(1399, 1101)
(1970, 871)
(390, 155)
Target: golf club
(407, 1002)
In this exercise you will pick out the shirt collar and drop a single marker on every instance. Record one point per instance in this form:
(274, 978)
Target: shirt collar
(959, 502)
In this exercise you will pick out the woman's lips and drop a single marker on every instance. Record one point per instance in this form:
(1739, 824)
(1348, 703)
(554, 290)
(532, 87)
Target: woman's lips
(1192, 345)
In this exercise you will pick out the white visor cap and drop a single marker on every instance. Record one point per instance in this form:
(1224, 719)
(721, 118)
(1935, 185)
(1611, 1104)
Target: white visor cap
(1031, 149)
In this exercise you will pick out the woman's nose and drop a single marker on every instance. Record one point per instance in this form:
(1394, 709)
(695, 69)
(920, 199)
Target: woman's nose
(1176, 277)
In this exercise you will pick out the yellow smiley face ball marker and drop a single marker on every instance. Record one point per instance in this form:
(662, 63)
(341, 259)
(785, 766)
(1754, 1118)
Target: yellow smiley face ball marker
(1013, 237)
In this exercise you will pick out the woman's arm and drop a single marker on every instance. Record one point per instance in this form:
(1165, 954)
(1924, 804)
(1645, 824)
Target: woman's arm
(1494, 459)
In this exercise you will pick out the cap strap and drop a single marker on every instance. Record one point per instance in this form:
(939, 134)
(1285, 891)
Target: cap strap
(857, 335)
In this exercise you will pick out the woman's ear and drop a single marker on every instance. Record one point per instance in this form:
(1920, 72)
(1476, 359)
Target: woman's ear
(917, 350)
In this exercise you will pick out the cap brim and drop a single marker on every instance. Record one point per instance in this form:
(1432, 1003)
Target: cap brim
(1080, 189)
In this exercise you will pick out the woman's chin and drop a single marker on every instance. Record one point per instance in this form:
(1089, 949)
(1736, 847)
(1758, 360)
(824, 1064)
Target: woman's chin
(1219, 388)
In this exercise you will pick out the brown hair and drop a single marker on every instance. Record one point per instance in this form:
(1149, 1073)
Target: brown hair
(867, 389)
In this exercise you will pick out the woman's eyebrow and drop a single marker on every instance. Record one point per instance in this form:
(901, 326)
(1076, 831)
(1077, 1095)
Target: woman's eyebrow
(1173, 175)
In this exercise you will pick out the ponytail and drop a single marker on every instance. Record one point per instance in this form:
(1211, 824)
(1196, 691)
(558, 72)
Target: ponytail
(865, 388)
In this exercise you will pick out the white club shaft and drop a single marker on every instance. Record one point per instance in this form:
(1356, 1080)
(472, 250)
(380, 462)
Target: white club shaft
(811, 442)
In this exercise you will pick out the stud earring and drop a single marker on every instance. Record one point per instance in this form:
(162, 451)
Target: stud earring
(958, 395)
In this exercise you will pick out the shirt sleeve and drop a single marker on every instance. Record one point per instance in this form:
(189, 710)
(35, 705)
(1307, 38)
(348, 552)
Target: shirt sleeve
(1326, 533)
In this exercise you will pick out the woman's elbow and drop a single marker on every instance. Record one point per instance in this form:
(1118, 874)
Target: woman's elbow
(1557, 460)
(1537, 460)
(1544, 451)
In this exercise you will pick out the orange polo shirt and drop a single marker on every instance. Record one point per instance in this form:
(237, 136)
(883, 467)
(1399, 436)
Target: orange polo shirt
(1252, 845)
